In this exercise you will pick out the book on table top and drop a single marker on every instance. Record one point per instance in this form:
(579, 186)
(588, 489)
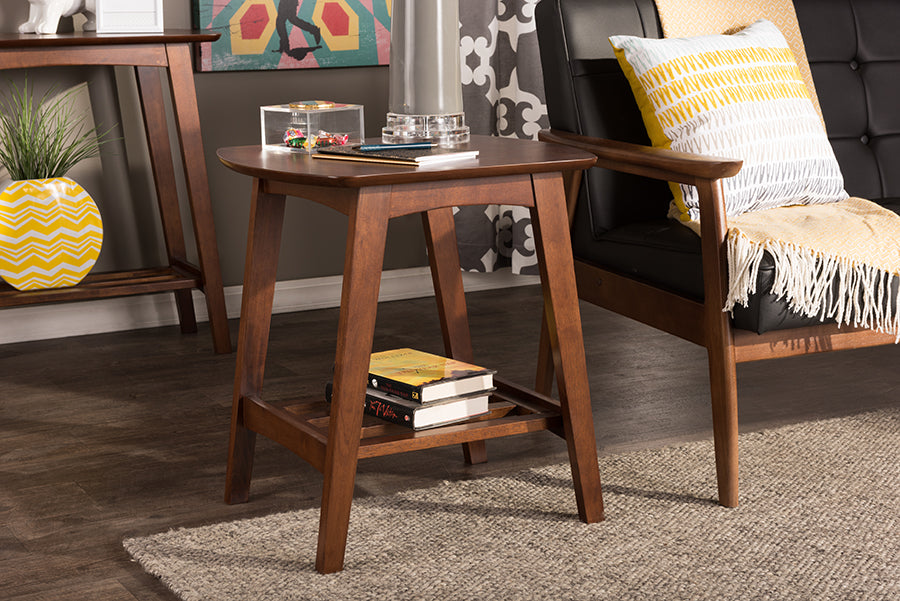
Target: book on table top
(423, 377)
(398, 156)
(417, 416)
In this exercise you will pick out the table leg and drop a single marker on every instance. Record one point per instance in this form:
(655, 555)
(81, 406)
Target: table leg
(263, 243)
(156, 126)
(564, 327)
(187, 117)
(543, 380)
(443, 256)
(366, 235)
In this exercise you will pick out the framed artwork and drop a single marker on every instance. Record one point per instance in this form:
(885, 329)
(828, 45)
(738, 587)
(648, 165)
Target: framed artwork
(293, 34)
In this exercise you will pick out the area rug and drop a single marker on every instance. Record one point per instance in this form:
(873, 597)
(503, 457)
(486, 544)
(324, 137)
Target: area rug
(819, 520)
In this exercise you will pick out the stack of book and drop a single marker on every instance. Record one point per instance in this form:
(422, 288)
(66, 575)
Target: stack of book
(420, 390)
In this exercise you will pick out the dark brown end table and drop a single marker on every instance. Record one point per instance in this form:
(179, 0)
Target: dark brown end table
(514, 172)
(147, 53)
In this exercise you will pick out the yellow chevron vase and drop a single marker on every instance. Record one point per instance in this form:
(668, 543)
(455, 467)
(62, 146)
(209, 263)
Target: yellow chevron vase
(50, 233)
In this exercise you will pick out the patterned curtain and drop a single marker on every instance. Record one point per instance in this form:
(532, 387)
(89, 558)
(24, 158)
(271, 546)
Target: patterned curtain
(503, 94)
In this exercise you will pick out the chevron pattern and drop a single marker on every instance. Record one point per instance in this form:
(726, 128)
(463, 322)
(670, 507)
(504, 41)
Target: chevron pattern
(739, 96)
(50, 233)
(688, 18)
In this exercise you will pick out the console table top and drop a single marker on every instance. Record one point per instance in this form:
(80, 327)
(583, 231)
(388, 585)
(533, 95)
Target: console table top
(78, 38)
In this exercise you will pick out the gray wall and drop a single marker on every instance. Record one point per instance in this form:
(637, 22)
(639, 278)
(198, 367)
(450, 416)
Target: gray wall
(120, 181)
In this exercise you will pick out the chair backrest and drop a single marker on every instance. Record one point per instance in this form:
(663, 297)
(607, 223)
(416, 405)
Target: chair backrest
(588, 94)
(853, 49)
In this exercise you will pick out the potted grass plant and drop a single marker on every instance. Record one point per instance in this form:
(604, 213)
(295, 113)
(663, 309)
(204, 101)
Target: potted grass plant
(50, 228)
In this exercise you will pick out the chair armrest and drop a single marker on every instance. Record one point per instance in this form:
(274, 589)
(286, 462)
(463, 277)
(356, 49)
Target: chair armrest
(706, 173)
(658, 163)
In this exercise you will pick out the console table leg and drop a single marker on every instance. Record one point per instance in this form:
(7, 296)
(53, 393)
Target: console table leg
(443, 256)
(157, 129)
(564, 326)
(263, 243)
(366, 236)
(187, 117)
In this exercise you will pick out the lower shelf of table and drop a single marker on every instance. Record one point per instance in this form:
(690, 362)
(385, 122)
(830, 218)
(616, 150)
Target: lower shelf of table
(108, 285)
(302, 426)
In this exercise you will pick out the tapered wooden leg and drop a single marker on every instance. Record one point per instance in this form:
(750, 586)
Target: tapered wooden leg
(564, 327)
(719, 341)
(543, 378)
(156, 125)
(263, 243)
(723, 388)
(367, 231)
(187, 118)
(443, 256)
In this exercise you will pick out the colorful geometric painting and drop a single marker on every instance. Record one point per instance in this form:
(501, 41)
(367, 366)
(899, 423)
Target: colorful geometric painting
(293, 34)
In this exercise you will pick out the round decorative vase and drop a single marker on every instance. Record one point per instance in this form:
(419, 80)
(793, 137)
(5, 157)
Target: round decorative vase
(50, 233)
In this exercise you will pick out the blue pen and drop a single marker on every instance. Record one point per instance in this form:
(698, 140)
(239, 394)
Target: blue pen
(410, 145)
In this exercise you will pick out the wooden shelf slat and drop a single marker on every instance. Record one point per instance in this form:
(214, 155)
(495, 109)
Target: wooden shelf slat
(302, 425)
(106, 285)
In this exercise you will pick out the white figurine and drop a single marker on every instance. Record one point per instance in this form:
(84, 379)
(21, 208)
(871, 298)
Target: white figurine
(44, 15)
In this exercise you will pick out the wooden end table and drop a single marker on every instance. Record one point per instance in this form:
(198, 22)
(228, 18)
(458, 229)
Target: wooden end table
(148, 54)
(332, 439)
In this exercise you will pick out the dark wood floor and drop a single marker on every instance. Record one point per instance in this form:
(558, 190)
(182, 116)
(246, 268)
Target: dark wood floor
(110, 436)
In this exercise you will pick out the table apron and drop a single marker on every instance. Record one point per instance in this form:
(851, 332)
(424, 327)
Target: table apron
(417, 197)
(147, 55)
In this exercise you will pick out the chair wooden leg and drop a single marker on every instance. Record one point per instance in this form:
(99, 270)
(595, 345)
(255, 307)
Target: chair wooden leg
(264, 240)
(723, 389)
(719, 340)
(366, 237)
(443, 256)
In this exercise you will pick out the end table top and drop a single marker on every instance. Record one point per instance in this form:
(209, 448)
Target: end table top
(497, 157)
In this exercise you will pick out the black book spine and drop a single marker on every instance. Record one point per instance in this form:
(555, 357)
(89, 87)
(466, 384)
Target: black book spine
(404, 391)
(391, 412)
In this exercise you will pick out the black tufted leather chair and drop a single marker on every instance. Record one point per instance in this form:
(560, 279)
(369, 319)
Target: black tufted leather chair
(632, 260)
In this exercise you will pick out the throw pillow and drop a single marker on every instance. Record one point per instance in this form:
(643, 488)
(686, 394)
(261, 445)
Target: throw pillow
(737, 96)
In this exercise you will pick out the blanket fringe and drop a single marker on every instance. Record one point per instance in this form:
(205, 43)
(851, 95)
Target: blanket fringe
(814, 284)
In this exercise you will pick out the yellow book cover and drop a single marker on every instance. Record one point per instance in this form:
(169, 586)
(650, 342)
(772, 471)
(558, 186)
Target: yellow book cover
(420, 376)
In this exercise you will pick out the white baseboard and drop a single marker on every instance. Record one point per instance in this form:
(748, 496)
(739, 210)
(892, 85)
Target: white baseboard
(22, 324)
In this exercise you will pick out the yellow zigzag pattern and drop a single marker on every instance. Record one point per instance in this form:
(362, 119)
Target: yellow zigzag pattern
(50, 233)
(687, 18)
(694, 84)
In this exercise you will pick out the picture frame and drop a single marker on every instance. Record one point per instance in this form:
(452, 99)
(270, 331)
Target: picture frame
(292, 34)
(129, 16)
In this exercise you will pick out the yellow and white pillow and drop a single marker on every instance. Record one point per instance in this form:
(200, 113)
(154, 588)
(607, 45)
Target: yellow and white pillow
(737, 96)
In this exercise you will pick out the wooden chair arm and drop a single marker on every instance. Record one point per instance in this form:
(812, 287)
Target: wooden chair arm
(658, 163)
(706, 173)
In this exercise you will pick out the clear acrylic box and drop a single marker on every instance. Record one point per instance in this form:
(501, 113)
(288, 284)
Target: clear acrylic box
(307, 125)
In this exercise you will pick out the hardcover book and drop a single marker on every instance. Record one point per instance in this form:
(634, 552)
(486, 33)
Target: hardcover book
(422, 377)
(417, 416)
(400, 156)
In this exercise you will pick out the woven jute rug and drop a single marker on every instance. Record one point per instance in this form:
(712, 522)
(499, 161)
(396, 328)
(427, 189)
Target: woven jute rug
(819, 520)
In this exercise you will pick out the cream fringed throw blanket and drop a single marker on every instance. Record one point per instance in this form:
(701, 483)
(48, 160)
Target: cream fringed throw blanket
(854, 243)
(837, 260)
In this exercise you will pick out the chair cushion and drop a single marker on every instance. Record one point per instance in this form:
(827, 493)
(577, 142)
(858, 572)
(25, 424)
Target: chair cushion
(737, 96)
(666, 254)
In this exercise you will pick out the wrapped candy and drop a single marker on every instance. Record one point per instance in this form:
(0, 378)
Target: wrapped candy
(328, 139)
(295, 138)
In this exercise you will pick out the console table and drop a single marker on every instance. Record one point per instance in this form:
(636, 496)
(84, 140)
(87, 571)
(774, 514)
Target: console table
(333, 439)
(147, 53)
